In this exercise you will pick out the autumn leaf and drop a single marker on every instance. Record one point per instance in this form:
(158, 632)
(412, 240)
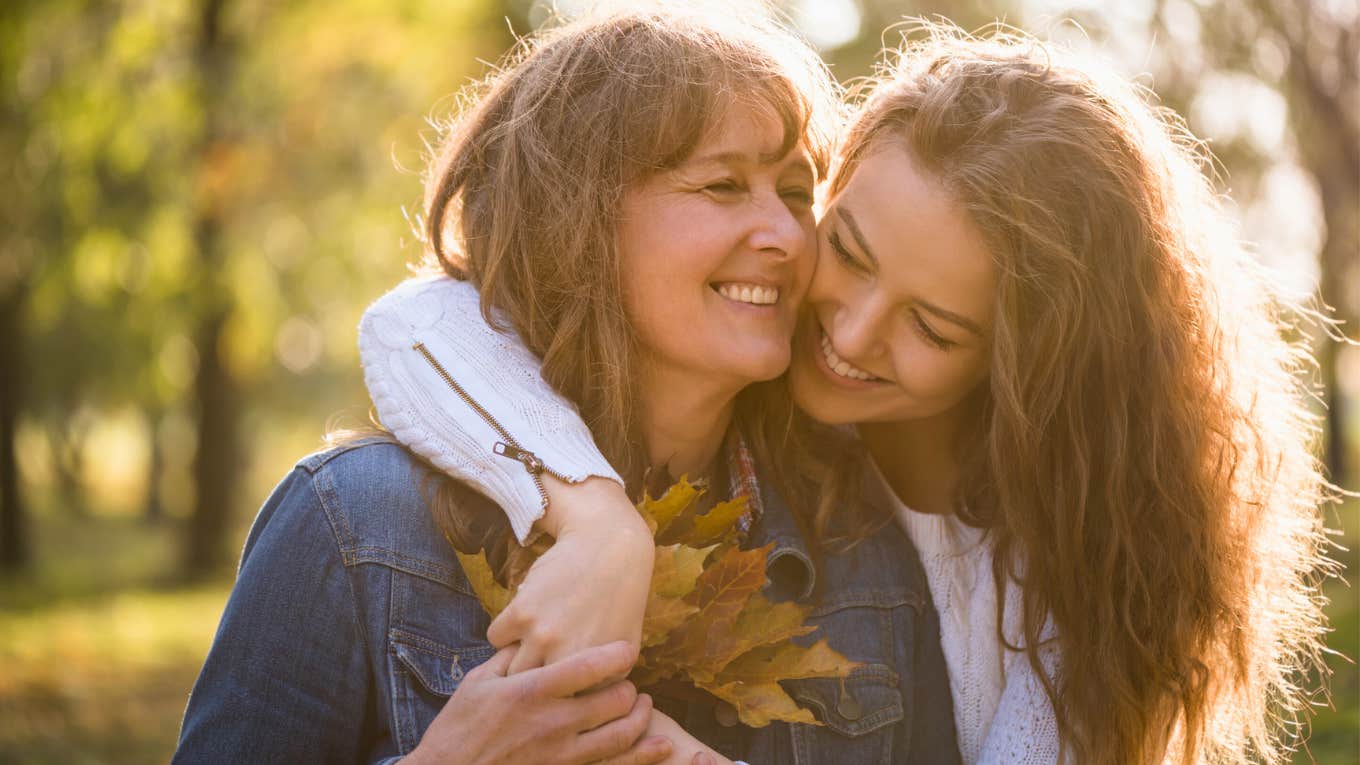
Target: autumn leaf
(718, 523)
(787, 661)
(494, 597)
(677, 569)
(720, 593)
(662, 512)
(662, 617)
(707, 623)
(763, 622)
(760, 704)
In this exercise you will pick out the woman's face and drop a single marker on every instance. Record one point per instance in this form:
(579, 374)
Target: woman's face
(717, 254)
(899, 313)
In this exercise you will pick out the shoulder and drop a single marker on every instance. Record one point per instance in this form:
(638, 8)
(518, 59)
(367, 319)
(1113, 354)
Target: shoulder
(374, 493)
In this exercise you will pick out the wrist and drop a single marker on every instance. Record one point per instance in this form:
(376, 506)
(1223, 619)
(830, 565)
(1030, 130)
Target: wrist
(592, 505)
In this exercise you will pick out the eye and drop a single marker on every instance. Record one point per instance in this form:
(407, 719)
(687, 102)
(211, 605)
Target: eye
(723, 188)
(843, 254)
(799, 195)
(930, 335)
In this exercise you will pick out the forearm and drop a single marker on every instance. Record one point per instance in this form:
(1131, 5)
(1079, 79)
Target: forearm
(469, 398)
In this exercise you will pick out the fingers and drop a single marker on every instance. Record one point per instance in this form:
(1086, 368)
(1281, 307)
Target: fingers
(586, 669)
(703, 758)
(648, 751)
(608, 703)
(616, 742)
(497, 666)
(528, 657)
(507, 628)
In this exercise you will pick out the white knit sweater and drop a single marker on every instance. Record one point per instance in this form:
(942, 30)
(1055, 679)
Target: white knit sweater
(1000, 709)
(1001, 712)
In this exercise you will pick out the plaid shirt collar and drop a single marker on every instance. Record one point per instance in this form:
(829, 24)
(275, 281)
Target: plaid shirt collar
(742, 480)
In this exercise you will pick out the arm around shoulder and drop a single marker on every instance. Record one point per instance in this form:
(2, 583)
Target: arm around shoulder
(469, 398)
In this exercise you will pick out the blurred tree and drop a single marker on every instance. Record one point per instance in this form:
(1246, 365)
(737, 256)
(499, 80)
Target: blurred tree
(216, 463)
(1308, 51)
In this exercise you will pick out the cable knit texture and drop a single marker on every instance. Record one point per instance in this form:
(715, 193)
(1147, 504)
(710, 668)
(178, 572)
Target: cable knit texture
(1001, 712)
(495, 370)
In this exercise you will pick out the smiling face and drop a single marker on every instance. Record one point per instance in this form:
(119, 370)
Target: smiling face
(899, 314)
(717, 254)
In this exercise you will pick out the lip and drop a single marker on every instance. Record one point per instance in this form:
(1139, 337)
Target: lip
(813, 345)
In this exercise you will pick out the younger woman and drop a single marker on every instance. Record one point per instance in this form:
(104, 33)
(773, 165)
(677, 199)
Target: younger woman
(1079, 394)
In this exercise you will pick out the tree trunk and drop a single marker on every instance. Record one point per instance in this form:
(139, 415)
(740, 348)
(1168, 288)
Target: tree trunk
(14, 541)
(216, 465)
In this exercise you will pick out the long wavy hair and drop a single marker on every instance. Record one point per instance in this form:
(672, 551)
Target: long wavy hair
(523, 196)
(1141, 453)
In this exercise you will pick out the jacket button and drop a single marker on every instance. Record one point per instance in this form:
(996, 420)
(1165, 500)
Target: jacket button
(849, 707)
(726, 715)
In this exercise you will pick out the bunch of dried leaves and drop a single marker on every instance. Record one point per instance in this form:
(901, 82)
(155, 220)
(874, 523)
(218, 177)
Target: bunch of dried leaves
(707, 622)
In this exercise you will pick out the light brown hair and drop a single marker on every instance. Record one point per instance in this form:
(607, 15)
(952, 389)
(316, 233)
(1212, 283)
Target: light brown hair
(1141, 453)
(524, 194)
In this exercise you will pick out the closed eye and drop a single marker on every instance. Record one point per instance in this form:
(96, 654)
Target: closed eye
(800, 195)
(843, 254)
(725, 187)
(930, 335)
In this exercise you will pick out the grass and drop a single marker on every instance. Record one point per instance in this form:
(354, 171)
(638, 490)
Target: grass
(99, 653)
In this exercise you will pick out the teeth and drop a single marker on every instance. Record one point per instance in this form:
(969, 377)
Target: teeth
(754, 294)
(839, 365)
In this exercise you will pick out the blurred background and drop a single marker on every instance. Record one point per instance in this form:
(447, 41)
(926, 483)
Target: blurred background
(205, 194)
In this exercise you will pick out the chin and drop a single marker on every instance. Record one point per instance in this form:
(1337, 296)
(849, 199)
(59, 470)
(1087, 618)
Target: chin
(817, 401)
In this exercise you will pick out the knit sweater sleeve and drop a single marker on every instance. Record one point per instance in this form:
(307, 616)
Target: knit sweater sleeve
(469, 397)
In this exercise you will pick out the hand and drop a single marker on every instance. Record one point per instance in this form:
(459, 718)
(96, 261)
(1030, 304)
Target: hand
(591, 587)
(537, 716)
(687, 750)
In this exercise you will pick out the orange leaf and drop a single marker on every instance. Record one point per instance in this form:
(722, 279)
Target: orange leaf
(760, 703)
(494, 597)
(717, 523)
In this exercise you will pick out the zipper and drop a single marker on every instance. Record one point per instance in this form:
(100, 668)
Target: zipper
(510, 448)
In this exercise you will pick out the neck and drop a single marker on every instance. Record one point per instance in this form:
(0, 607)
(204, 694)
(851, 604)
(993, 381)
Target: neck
(684, 421)
(917, 457)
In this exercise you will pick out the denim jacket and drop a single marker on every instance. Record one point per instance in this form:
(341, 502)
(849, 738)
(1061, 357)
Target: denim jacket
(351, 624)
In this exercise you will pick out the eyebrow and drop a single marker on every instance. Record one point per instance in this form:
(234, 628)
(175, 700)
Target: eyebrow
(931, 308)
(738, 157)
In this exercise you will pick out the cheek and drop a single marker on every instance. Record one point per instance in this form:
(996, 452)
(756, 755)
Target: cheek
(941, 379)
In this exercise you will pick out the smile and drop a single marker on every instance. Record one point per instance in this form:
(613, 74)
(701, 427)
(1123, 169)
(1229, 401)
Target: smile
(842, 367)
(753, 294)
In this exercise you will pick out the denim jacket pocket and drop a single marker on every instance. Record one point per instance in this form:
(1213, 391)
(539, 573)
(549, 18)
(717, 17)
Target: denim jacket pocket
(858, 715)
(425, 674)
(865, 701)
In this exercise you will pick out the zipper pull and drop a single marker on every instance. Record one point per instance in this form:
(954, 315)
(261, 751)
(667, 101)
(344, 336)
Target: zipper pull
(530, 460)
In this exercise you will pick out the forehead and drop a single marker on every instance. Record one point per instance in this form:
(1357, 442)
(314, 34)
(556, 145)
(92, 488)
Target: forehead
(927, 246)
(748, 133)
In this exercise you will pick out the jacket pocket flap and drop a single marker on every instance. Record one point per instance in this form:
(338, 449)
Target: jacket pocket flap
(866, 701)
(439, 669)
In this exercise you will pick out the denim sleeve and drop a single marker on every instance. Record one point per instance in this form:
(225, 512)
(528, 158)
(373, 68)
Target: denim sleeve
(286, 679)
(933, 738)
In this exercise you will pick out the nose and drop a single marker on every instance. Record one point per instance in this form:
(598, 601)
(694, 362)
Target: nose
(858, 331)
(780, 230)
